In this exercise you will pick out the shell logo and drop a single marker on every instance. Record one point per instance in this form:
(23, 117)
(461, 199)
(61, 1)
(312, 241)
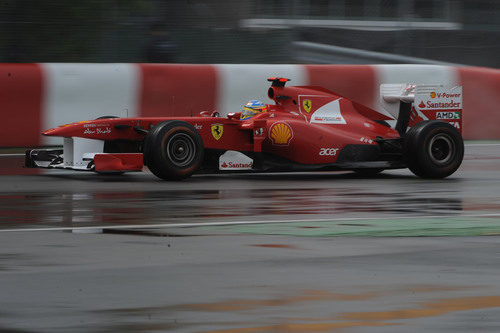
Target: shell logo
(281, 133)
(433, 94)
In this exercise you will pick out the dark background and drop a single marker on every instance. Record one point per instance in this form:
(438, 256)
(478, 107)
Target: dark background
(245, 31)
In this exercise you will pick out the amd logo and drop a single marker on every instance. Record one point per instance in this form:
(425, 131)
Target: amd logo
(447, 115)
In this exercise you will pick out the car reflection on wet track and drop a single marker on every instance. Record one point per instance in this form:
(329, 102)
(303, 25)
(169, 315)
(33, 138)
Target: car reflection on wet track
(68, 199)
(137, 207)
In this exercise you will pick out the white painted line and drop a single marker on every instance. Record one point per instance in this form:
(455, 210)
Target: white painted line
(481, 144)
(226, 223)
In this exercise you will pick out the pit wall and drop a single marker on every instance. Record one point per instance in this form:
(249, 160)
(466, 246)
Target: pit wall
(35, 97)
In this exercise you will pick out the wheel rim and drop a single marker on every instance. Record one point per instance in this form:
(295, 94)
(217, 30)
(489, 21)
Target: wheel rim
(181, 149)
(441, 149)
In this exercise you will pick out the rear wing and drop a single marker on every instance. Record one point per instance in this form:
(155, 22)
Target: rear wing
(427, 102)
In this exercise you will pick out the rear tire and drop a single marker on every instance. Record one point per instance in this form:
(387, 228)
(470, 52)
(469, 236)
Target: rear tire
(434, 149)
(173, 150)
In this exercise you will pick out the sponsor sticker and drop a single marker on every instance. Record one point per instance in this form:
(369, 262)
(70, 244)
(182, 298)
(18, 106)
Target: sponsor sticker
(97, 130)
(328, 151)
(448, 115)
(307, 105)
(328, 119)
(328, 114)
(217, 131)
(95, 125)
(230, 165)
(198, 126)
(281, 134)
(233, 160)
(440, 99)
(440, 105)
(258, 131)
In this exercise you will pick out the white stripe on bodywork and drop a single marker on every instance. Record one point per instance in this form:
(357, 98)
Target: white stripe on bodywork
(75, 92)
(237, 84)
(412, 74)
(328, 114)
(234, 160)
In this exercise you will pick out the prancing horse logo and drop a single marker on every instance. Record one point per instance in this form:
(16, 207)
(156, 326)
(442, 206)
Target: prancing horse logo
(217, 130)
(306, 104)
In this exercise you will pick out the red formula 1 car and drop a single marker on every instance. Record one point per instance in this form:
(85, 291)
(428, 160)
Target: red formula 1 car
(308, 128)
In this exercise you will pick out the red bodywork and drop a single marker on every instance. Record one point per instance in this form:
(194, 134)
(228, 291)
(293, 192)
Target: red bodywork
(307, 125)
(118, 162)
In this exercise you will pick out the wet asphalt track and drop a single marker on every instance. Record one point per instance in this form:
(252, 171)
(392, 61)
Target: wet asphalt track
(90, 253)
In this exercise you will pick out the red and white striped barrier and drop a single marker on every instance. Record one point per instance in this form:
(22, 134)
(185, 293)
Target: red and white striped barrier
(34, 97)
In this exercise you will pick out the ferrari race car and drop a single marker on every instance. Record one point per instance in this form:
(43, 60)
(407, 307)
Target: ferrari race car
(308, 128)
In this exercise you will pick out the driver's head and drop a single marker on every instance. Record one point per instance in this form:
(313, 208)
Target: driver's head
(252, 108)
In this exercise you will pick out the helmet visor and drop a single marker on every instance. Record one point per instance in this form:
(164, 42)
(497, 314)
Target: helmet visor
(249, 113)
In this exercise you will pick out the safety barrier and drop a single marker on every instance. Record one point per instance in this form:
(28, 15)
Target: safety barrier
(34, 97)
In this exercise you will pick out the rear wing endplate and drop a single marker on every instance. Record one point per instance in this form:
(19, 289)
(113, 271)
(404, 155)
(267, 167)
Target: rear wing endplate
(428, 102)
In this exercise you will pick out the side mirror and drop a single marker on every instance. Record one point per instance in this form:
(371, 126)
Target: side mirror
(234, 115)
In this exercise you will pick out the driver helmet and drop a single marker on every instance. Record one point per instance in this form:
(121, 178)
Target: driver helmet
(252, 108)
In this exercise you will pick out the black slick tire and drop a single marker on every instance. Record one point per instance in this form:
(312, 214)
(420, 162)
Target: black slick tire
(434, 149)
(173, 150)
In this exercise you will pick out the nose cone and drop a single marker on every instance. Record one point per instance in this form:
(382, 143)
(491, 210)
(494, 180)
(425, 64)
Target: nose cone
(64, 130)
(51, 132)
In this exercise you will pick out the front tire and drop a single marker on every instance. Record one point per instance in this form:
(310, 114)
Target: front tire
(434, 149)
(173, 150)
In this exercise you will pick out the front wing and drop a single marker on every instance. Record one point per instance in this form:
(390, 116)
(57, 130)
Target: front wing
(83, 155)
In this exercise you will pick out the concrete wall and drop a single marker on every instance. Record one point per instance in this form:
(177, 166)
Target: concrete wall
(34, 97)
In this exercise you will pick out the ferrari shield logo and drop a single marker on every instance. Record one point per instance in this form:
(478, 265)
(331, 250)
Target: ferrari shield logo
(306, 105)
(217, 130)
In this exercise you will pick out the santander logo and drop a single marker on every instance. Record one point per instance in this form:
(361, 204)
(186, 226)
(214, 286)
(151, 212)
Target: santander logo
(421, 105)
(236, 165)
